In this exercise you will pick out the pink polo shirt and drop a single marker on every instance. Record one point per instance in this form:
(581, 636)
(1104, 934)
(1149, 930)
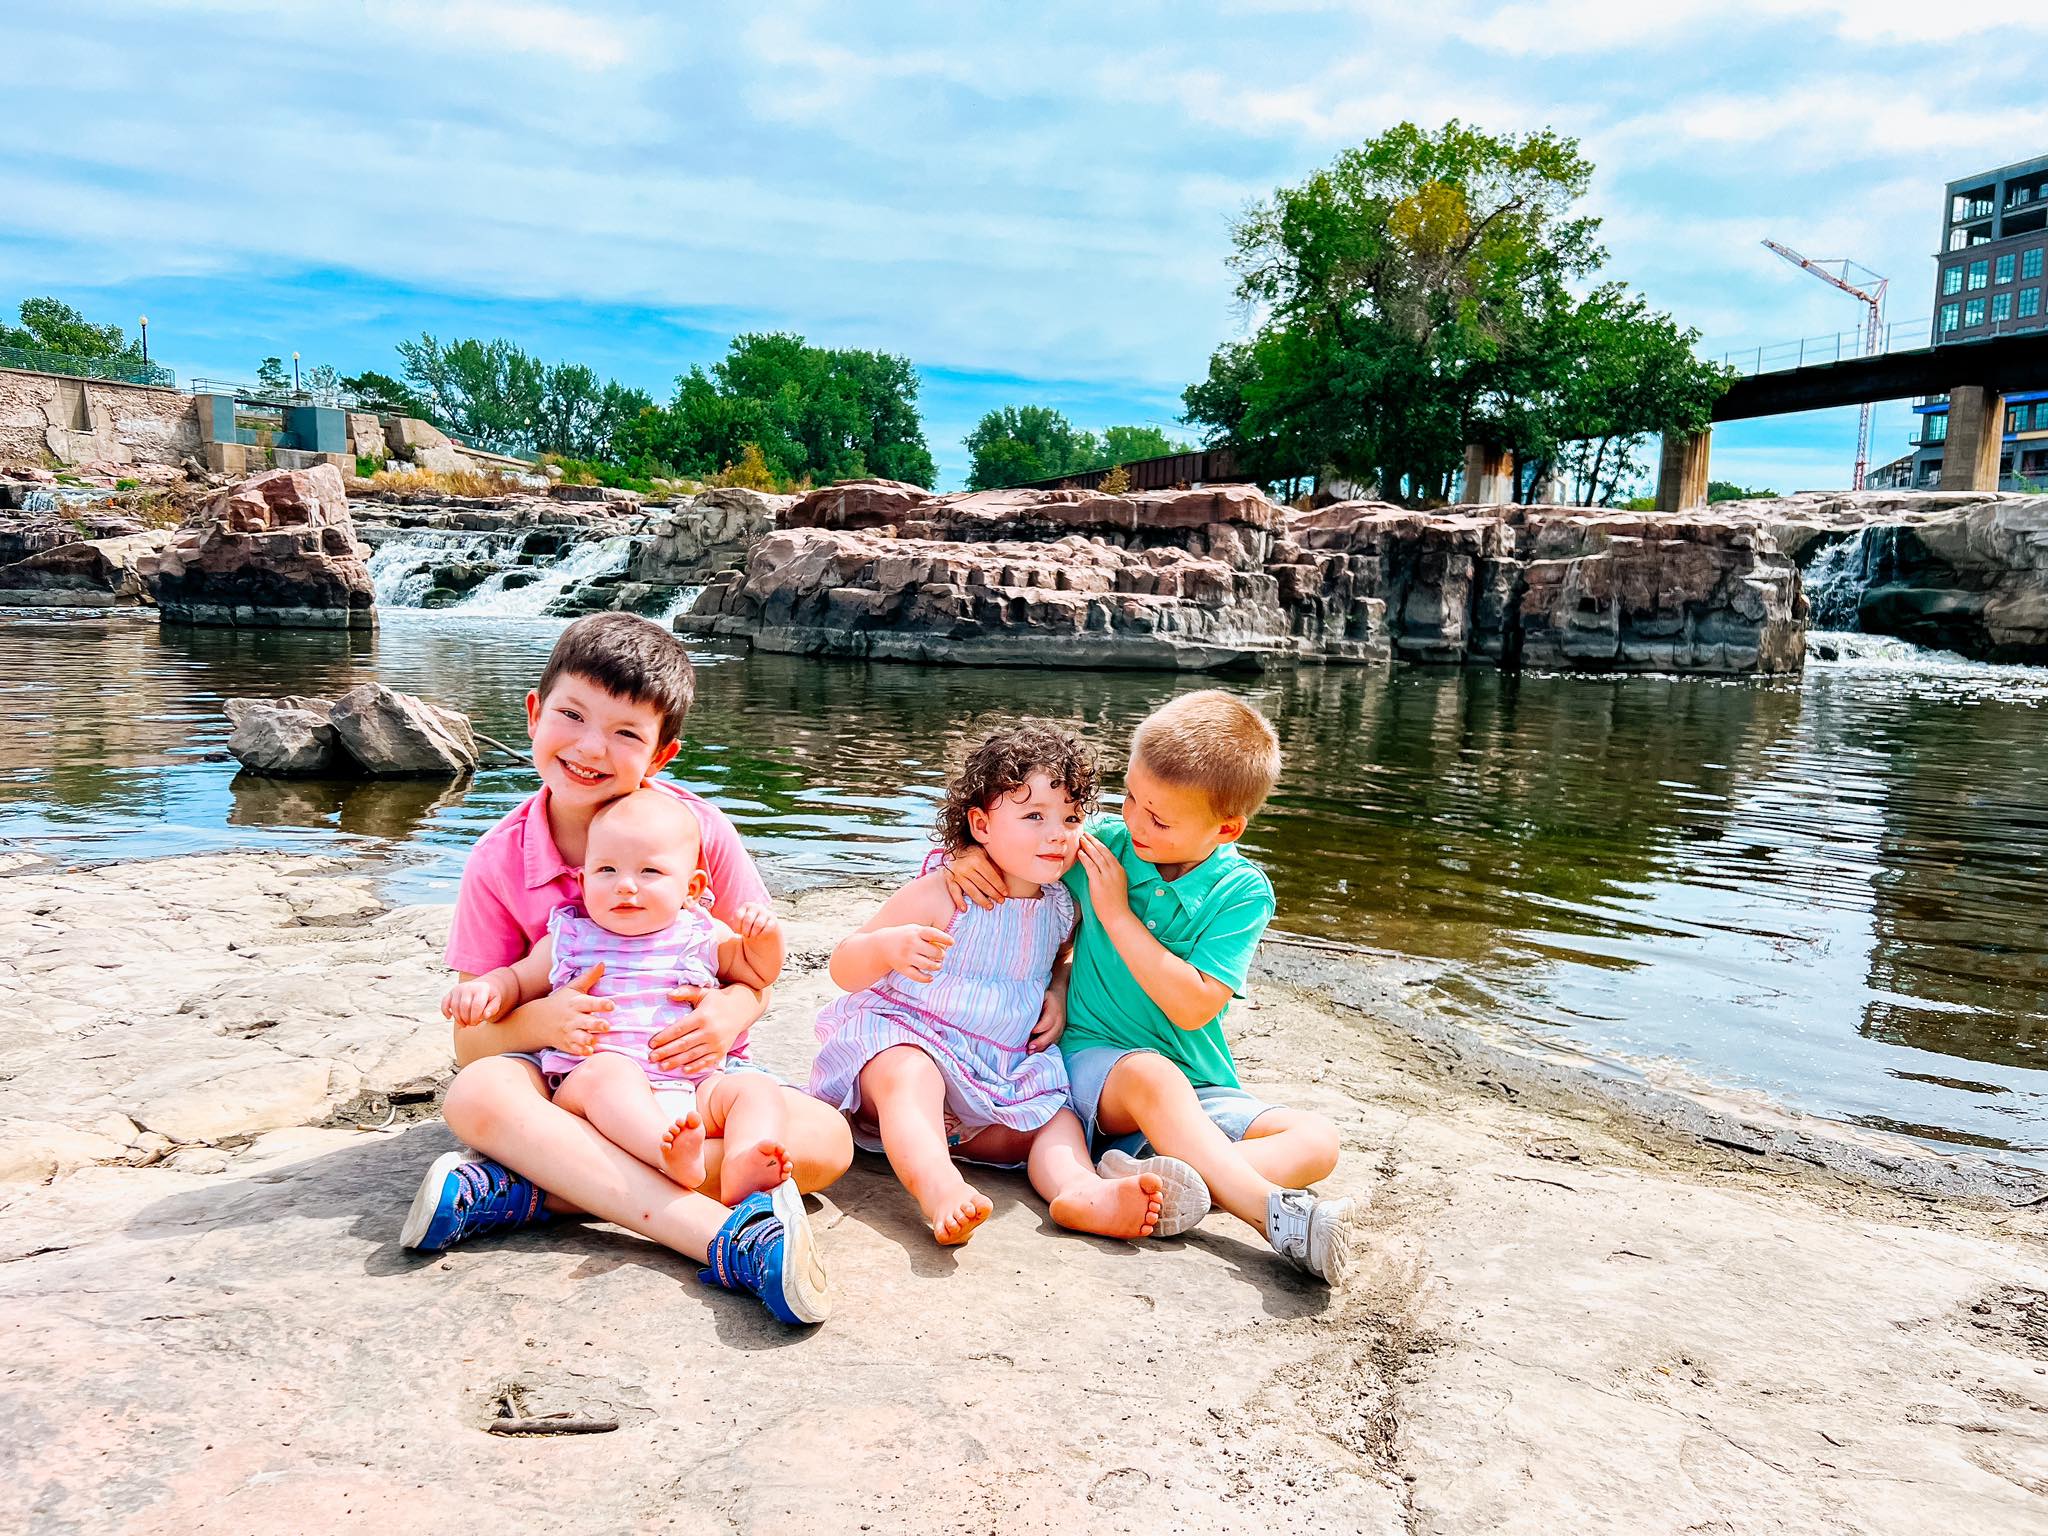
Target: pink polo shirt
(516, 876)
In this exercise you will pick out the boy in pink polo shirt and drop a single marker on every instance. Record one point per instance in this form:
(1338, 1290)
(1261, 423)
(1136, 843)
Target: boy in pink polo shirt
(607, 717)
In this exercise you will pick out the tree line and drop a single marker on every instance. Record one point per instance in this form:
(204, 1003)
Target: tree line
(1426, 290)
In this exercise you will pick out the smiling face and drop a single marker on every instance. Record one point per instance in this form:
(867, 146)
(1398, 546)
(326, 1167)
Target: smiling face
(590, 745)
(1031, 833)
(1173, 826)
(640, 869)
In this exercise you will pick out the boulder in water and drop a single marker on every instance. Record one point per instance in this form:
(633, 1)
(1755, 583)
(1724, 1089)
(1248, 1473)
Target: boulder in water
(274, 550)
(283, 740)
(396, 734)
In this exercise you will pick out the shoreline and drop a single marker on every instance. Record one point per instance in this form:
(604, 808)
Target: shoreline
(1565, 1315)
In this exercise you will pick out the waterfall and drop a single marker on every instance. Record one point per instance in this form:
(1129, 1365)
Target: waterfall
(582, 563)
(1835, 579)
(684, 600)
(402, 566)
(39, 501)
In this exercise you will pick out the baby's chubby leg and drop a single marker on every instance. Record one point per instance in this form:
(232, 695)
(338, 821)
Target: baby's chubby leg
(745, 1111)
(908, 1096)
(613, 1094)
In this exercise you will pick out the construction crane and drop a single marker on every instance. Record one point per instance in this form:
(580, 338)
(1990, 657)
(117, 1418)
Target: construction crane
(1873, 331)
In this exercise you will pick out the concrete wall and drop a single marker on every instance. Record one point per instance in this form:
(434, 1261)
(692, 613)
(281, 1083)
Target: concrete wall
(87, 420)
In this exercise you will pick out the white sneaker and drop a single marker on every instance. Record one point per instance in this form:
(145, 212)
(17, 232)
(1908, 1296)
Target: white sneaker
(1183, 1195)
(1310, 1233)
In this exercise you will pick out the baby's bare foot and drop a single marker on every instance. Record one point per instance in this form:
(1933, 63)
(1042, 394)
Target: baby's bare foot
(682, 1151)
(1127, 1207)
(747, 1170)
(955, 1215)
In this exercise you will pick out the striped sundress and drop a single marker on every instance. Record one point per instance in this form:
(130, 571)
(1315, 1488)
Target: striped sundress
(639, 971)
(973, 1019)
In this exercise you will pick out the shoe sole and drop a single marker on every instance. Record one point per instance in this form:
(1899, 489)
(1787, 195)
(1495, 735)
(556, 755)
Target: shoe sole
(804, 1289)
(1184, 1199)
(427, 1201)
(1340, 1237)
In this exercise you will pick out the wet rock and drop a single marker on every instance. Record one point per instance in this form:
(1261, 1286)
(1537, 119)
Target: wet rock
(276, 549)
(392, 733)
(280, 740)
(92, 573)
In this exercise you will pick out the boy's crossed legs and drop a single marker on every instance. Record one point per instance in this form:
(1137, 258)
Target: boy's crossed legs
(742, 1109)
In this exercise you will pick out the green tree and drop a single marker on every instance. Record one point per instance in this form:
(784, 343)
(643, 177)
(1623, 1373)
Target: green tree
(812, 412)
(380, 392)
(1728, 490)
(271, 377)
(50, 325)
(1418, 294)
(1125, 445)
(1020, 443)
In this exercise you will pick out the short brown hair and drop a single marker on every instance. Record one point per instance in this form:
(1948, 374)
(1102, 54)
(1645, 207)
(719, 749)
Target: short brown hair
(1214, 742)
(631, 657)
(1004, 762)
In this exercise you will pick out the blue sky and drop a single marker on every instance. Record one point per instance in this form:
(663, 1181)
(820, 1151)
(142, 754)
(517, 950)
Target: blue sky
(1032, 203)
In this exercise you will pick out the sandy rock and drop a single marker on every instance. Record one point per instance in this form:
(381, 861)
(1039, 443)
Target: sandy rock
(282, 741)
(442, 459)
(276, 549)
(119, 570)
(201, 1102)
(407, 435)
(854, 504)
(393, 733)
(366, 436)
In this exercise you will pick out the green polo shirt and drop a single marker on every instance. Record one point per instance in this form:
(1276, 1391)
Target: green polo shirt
(1211, 917)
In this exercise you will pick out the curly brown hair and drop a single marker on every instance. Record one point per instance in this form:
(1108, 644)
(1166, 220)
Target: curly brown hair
(1004, 762)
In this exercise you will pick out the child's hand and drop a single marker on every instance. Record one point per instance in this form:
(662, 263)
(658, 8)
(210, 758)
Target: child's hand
(575, 1018)
(476, 1001)
(1052, 1020)
(915, 950)
(753, 919)
(1109, 888)
(971, 875)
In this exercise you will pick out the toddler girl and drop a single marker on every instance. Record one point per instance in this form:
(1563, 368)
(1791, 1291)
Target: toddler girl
(643, 919)
(941, 1046)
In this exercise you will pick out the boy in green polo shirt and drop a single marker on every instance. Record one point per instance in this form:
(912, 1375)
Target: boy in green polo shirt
(1172, 913)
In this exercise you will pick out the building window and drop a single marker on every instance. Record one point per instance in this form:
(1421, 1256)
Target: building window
(1980, 274)
(1937, 428)
(2002, 270)
(2030, 263)
(2015, 420)
(1973, 312)
(2001, 306)
(1951, 317)
(2030, 302)
(1952, 279)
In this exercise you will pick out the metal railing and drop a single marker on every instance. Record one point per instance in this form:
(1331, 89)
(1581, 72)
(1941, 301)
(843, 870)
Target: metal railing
(1835, 347)
(118, 370)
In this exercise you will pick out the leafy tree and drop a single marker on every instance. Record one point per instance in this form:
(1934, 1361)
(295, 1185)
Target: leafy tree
(323, 383)
(497, 395)
(380, 392)
(1020, 443)
(1123, 445)
(271, 377)
(50, 325)
(1419, 294)
(1728, 490)
(811, 412)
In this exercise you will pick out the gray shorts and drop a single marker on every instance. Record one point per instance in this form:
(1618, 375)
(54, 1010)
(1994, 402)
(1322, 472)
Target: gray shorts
(1230, 1109)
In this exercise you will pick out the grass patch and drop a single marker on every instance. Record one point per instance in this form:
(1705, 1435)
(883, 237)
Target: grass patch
(465, 482)
(368, 467)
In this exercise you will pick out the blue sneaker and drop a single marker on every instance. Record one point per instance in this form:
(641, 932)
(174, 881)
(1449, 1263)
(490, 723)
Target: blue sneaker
(765, 1247)
(464, 1195)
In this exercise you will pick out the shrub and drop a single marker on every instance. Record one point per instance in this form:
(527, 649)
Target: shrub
(751, 473)
(1116, 483)
(126, 485)
(465, 482)
(367, 466)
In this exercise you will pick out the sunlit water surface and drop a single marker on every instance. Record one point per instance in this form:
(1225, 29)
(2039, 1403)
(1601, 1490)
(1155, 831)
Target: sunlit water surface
(1828, 889)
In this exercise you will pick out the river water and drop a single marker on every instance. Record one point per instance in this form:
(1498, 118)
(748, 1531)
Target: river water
(1826, 889)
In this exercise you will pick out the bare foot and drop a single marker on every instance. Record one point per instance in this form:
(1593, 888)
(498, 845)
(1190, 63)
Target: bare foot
(957, 1214)
(1127, 1207)
(747, 1170)
(682, 1151)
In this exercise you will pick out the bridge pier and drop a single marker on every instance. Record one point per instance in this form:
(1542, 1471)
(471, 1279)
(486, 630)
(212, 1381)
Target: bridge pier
(1489, 475)
(1682, 470)
(1976, 431)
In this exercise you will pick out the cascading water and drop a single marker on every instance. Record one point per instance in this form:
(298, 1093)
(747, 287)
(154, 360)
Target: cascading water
(1835, 579)
(583, 563)
(39, 501)
(402, 567)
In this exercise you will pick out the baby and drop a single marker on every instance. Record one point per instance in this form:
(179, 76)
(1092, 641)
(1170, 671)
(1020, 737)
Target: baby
(643, 921)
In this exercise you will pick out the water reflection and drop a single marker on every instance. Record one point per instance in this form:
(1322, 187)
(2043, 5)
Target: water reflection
(1826, 888)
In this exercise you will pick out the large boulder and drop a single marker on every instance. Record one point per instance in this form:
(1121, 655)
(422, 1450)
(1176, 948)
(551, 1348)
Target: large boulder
(395, 734)
(366, 437)
(407, 435)
(87, 572)
(859, 504)
(1974, 582)
(274, 550)
(284, 738)
(704, 535)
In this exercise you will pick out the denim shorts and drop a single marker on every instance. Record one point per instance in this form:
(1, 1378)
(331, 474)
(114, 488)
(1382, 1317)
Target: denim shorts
(1230, 1109)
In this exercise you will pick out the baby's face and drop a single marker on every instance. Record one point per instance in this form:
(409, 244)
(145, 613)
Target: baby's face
(638, 873)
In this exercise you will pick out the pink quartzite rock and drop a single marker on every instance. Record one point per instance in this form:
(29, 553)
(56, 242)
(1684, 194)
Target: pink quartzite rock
(858, 504)
(277, 549)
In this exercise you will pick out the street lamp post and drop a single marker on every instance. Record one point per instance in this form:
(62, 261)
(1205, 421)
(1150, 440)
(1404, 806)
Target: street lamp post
(145, 341)
(295, 373)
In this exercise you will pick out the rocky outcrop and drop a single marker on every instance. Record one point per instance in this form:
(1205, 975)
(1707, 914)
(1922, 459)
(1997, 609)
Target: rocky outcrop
(1072, 602)
(857, 504)
(685, 544)
(1975, 582)
(275, 550)
(96, 573)
(397, 735)
(284, 737)
(1364, 581)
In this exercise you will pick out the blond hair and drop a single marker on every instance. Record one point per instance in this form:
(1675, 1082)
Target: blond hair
(1214, 742)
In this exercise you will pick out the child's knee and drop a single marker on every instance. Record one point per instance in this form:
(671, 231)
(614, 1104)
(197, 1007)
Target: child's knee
(476, 1102)
(1319, 1145)
(1146, 1076)
(898, 1066)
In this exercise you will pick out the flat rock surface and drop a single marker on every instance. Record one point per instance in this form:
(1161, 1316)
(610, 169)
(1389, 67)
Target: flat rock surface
(1563, 1321)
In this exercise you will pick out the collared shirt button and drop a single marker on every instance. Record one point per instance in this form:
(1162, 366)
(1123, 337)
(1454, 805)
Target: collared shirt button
(1149, 923)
